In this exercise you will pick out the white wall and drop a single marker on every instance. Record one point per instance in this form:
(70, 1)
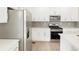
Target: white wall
(14, 27)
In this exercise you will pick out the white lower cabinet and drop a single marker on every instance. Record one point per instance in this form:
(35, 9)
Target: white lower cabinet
(40, 34)
(65, 44)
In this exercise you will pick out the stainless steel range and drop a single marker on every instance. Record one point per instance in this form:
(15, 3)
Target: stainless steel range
(55, 29)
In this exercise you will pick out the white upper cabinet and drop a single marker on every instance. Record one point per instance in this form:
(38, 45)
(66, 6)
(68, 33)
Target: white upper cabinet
(69, 14)
(66, 13)
(54, 11)
(43, 13)
(3, 15)
(39, 13)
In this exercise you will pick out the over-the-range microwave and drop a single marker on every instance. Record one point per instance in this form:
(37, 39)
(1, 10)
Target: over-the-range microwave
(55, 18)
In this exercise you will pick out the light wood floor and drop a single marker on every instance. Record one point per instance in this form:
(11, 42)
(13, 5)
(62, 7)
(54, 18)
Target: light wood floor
(46, 46)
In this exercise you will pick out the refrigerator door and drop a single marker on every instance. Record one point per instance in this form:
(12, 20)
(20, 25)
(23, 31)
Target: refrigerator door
(14, 27)
(27, 32)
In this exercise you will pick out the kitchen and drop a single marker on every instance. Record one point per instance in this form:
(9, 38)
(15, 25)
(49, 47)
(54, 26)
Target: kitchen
(39, 28)
(48, 24)
(14, 29)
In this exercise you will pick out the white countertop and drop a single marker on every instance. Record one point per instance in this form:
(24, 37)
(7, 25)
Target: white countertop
(71, 31)
(40, 28)
(7, 44)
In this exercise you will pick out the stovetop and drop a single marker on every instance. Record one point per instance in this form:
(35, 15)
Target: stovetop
(55, 27)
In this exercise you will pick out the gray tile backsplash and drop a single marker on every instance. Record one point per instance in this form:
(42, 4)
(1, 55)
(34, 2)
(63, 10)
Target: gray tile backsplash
(68, 24)
(40, 24)
(61, 24)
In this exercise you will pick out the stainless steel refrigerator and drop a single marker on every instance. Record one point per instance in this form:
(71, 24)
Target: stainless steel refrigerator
(18, 28)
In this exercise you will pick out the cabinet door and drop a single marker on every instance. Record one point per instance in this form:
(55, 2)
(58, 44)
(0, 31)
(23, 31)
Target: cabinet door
(69, 14)
(74, 14)
(37, 34)
(3, 15)
(43, 14)
(34, 34)
(40, 14)
(40, 34)
(64, 45)
(54, 11)
(47, 34)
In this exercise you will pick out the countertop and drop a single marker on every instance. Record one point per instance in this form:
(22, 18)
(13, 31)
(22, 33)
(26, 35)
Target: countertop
(7, 44)
(71, 31)
(40, 28)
